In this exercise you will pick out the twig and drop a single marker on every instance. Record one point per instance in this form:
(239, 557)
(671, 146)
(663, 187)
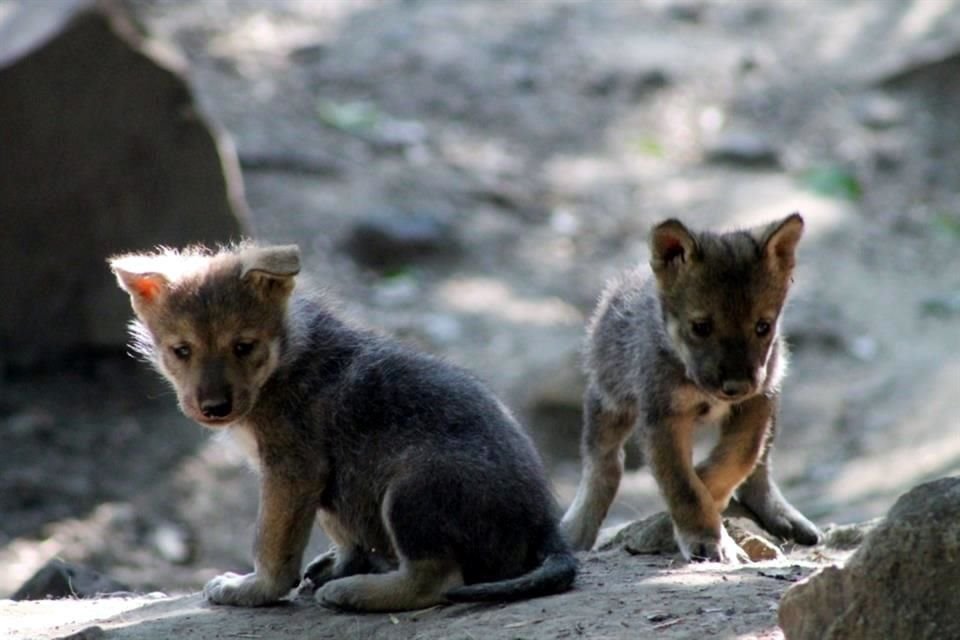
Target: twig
(517, 625)
(291, 162)
(668, 623)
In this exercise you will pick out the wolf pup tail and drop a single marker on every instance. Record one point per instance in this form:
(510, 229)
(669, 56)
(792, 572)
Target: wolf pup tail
(554, 575)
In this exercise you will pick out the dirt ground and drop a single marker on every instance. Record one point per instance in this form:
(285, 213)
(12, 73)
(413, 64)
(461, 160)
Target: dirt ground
(542, 139)
(617, 596)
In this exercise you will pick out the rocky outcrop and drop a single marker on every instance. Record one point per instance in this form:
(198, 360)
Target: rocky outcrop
(654, 535)
(903, 582)
(59, 579)
(395, 239)
(103, 151)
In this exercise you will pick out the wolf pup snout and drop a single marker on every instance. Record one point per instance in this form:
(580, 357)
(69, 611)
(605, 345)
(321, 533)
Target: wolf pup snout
(697, 341)
(427, 485)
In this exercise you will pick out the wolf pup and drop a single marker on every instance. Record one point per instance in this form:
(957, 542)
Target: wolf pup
(426, 484)
(698, 343)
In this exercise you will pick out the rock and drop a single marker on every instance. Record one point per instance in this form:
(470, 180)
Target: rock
(520, 199)
(815, 324)
(90, 633)
(397, 135)
(743, 15)
(942, 305)
(879, 111)
(552, 395)
(744, 148)
(888, 153)
(651, 535)
(564, 222)
(306, 162)
(903, 581)
(637, 83)
(848, 536)
(173, 542)
(441, 329)
(395, 239)
(686, 10)
(367, 121)
(559, 382)
(310, 53)
(654, 535)
(863, 348)
(401, 290)
(103, 152)
(757, 548)
(59, 579)
(650, 80)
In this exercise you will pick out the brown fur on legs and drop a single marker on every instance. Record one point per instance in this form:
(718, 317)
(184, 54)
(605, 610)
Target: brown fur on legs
(604, 434)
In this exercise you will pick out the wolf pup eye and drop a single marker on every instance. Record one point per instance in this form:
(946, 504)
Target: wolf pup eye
(181, 351)
(762, 328)
(243, 348)
(701, 328)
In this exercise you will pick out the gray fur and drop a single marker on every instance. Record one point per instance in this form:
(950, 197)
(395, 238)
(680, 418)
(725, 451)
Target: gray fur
(647, 370)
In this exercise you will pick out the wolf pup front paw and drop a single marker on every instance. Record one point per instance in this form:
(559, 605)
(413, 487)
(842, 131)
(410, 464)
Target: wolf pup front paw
(248, 590)
(709, 547)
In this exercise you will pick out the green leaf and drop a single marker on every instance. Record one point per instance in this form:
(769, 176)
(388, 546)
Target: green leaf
(352, 117)
(946, 224)
(941, 305)
(398, 273)
(832, 181)
(648, 146)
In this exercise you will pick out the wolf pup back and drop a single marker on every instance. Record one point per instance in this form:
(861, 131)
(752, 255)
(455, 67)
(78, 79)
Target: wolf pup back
(697, 343)
(427, 485)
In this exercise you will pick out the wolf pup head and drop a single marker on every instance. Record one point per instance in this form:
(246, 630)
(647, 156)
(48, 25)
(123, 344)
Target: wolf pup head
(211, 323)
(721, 297)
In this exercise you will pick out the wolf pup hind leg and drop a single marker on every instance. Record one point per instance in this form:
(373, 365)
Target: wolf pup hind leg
(428, 487)
(697, 343)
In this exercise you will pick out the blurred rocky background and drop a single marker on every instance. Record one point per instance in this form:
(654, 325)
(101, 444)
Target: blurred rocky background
(466, 176)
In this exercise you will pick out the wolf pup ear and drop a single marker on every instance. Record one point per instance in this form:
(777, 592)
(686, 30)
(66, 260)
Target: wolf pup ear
(671, 246)
(271, 269)
(779, 241)
(137, 275)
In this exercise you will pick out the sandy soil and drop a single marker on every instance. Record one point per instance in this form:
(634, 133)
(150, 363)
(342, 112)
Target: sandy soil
(617, 596)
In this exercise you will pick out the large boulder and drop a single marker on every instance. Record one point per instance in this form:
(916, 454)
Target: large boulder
(59, 579)
(102, 150)
(654, 535)
(903, 582)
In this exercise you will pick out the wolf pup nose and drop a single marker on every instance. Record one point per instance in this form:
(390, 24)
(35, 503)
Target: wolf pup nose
(427, 485)
(219, 407)
(695, 342)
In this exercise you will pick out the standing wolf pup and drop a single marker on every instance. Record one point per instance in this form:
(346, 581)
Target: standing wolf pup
(421, 477)
(698, 343)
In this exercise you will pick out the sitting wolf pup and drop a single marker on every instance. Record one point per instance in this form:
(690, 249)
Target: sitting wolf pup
(698, 343)
(426, 484)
